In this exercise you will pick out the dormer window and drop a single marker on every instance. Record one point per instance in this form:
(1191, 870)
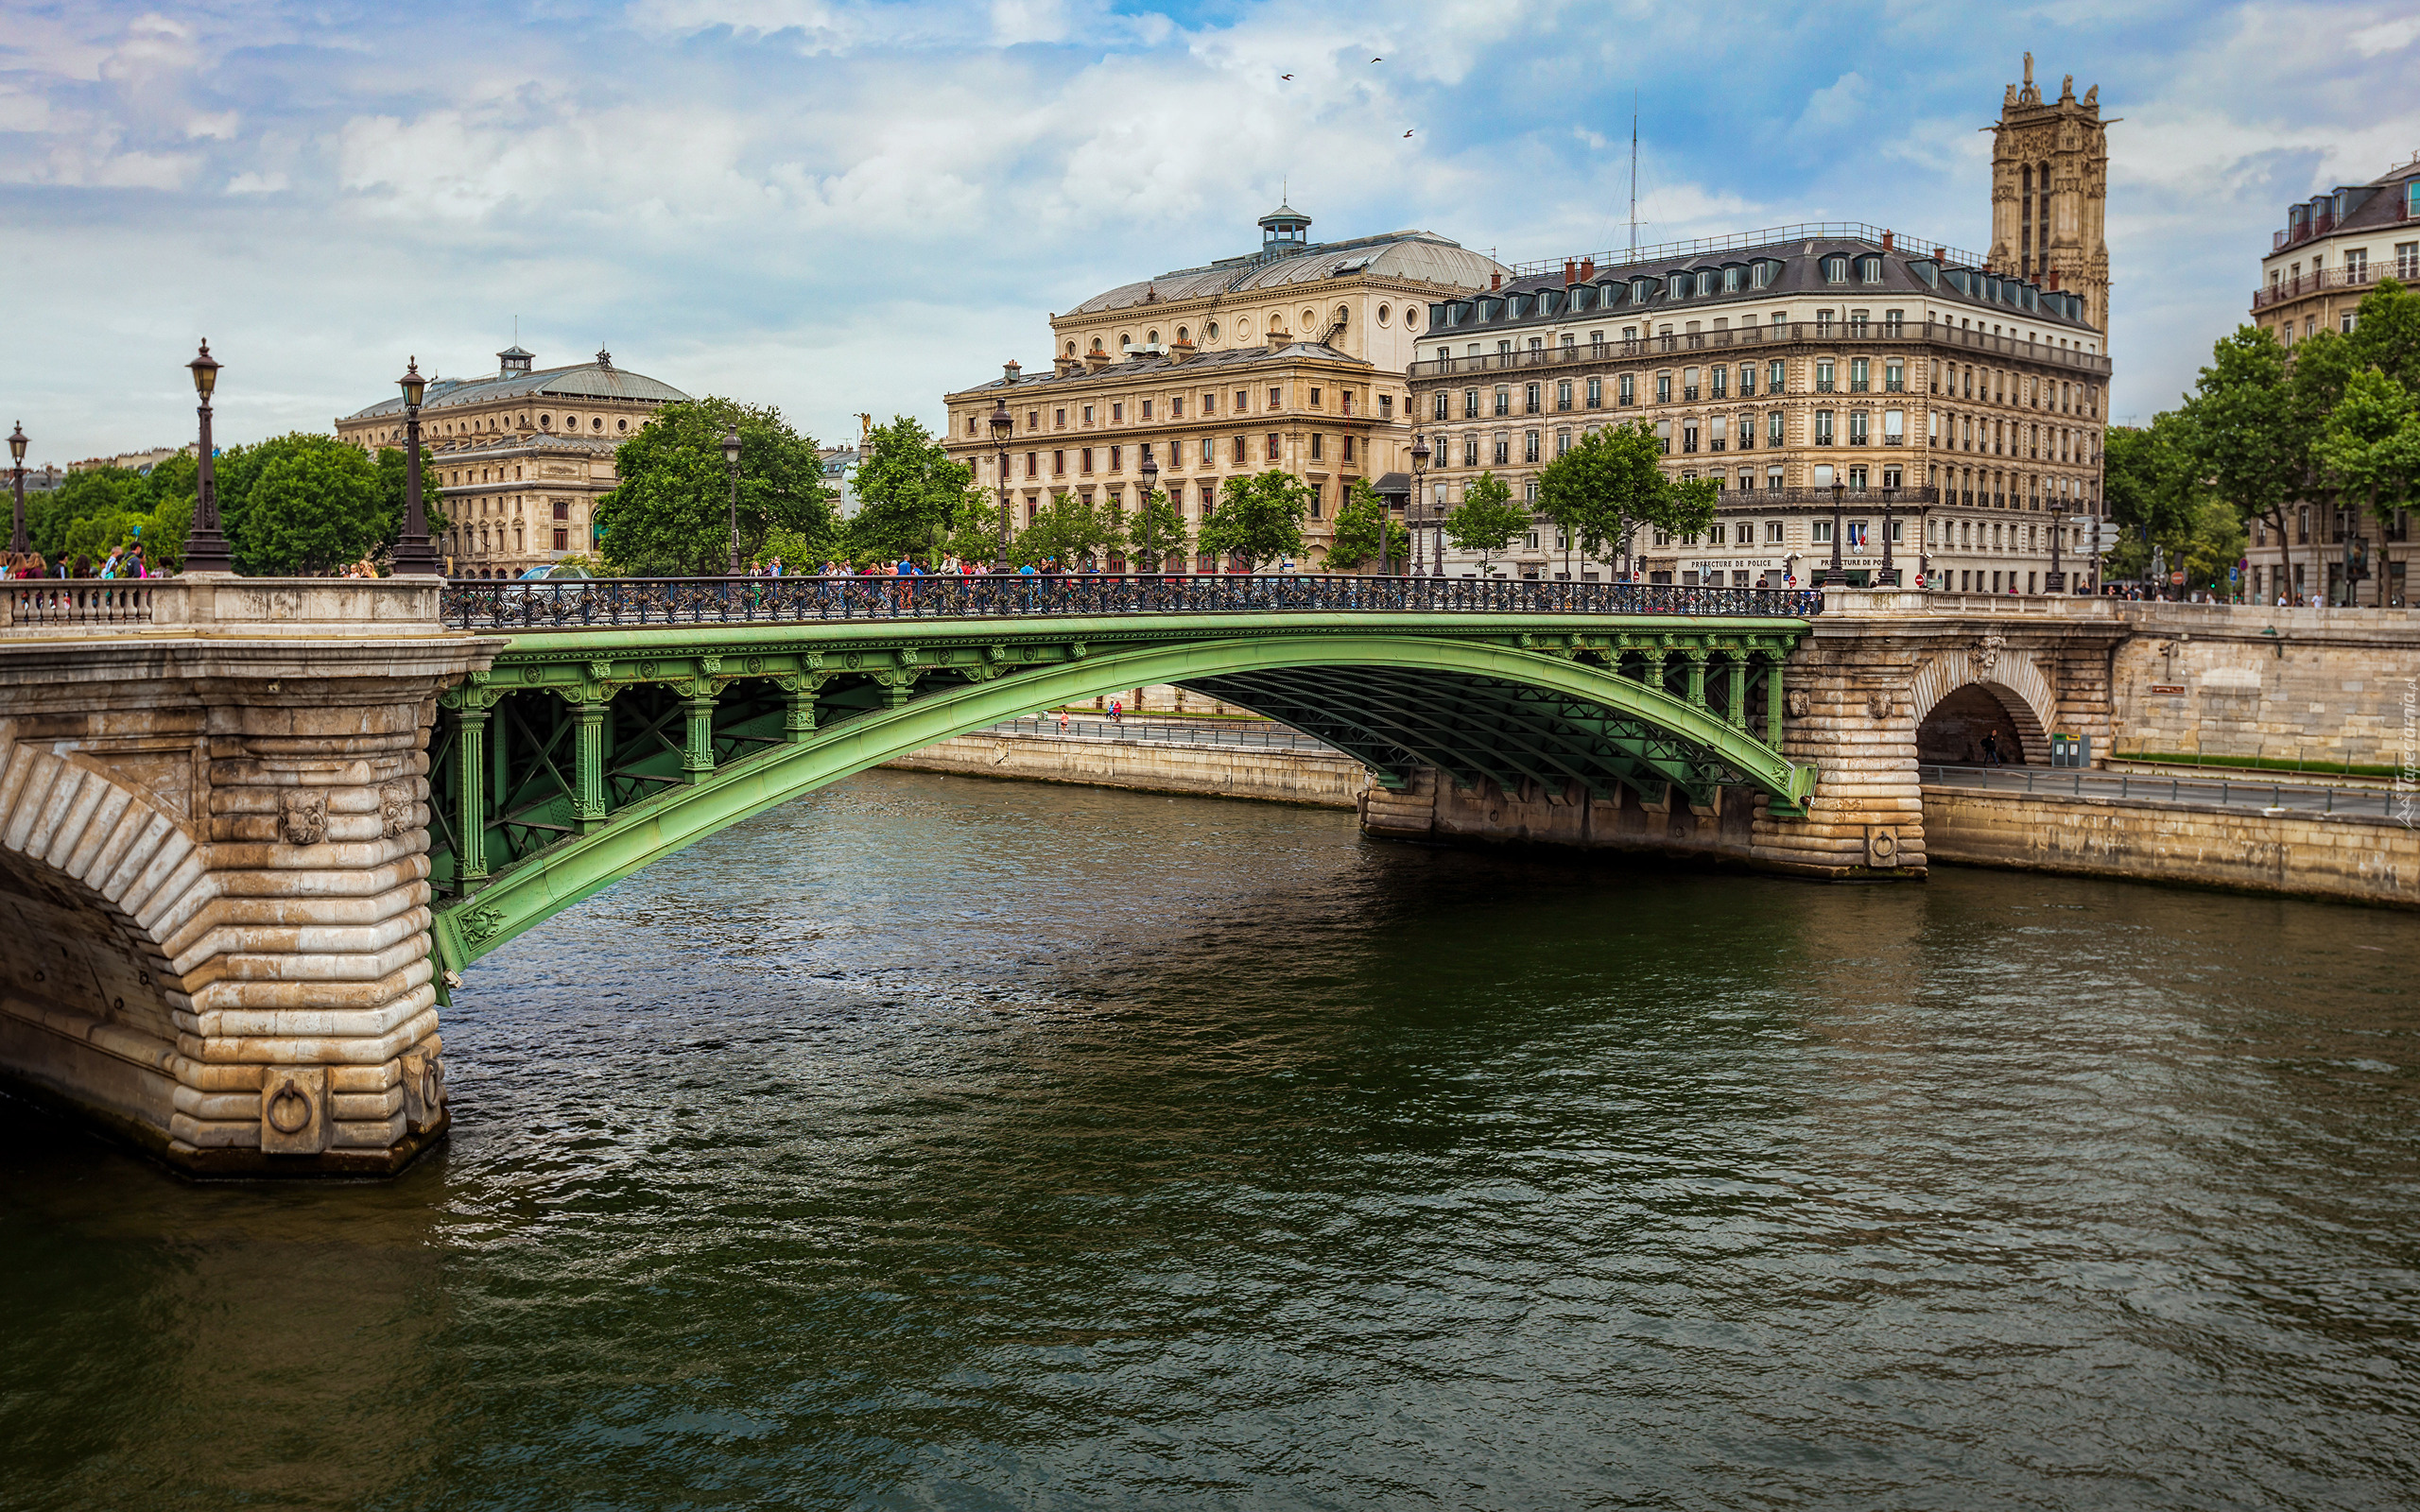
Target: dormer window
(1836, 270)
(1676, 286)
(1871, 268)
(1642, 289)
(1760, 275)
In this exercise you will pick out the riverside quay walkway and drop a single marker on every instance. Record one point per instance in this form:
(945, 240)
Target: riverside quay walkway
(252, 830)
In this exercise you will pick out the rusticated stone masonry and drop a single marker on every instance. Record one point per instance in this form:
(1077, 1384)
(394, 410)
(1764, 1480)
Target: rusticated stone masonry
(214, 874)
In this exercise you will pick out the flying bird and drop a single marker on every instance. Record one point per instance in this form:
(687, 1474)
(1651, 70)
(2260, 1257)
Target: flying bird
(1378, 59)
(1407, 133)
(1284, 76)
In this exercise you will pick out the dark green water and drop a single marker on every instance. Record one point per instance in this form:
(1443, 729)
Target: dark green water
(953, 1144)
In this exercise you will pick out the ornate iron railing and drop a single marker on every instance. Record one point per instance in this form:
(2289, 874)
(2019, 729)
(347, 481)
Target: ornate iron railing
(604, 602)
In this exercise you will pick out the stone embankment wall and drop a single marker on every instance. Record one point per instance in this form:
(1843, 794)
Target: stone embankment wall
(2355, 858)
(1275, 775)
(1428, 809)
(2327, 686)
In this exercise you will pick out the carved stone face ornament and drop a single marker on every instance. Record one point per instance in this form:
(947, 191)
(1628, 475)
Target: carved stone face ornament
(1985, 657)
(305, 815)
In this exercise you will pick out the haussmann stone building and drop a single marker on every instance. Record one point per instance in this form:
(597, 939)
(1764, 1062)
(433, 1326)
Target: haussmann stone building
(1290, 357)
(1967, 392)
(521, 457)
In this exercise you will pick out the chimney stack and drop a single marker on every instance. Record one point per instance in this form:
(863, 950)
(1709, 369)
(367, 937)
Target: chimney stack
(1570, 273)
(1010, 370)
(1587, 269)
(1180, 350)
(1886, 241)
(2054, 280)
(1940, 254)
(1494, 282)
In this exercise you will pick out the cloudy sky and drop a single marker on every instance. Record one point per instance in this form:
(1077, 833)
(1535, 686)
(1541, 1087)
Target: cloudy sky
(837, 206)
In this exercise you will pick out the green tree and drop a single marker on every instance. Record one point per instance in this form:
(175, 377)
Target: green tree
(1357, 527)
(2371, 447)
(907, 487)
(974, 529)
(94, 493)
(1486, 519)
(1066, 535)
(1156, 533)
(2249, 438)
(2153, 494)
(1258, 518)
(670, 513)
(1611, 483)
(312, 505)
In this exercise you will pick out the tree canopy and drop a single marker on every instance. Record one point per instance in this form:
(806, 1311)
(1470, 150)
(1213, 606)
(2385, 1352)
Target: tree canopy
(1066, 535)
(908, 490)
(1357, 526)
(1156, 534)
(1611, 483)
(671, 514)
(1258, 518)
(2265, 430)
(1486, 519)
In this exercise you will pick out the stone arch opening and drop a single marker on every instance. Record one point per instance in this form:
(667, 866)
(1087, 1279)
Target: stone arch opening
(1952, 733)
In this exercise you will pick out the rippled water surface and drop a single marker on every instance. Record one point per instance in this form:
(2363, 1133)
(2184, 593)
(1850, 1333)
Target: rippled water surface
(956, 1144)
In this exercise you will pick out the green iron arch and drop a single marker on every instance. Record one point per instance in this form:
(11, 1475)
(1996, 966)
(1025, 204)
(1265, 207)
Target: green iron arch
(1470, 707)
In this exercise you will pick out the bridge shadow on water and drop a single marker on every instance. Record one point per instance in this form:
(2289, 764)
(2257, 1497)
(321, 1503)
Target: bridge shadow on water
(937, 1143)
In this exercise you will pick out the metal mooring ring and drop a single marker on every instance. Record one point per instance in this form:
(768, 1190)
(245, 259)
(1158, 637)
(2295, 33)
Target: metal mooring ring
(278, 1101)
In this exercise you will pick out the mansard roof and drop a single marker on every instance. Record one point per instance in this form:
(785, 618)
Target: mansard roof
(588, 380)
(1420, 256)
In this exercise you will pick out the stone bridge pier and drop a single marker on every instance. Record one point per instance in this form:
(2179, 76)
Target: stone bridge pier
(1879, 673)
(213, 864)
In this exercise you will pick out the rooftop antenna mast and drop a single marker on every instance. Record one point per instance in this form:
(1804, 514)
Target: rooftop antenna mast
(1633, 172)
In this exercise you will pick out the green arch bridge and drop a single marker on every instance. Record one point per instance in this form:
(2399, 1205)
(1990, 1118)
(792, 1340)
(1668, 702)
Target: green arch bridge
(627, 718)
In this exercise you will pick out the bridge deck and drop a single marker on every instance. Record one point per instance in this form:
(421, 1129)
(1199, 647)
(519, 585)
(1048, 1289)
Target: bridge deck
(611, 602)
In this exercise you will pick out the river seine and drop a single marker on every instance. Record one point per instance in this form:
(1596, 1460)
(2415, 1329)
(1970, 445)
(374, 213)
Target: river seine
(943, 1144)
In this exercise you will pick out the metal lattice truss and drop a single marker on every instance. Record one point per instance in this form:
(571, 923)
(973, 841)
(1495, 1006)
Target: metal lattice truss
(575, 761)
(1470, 726)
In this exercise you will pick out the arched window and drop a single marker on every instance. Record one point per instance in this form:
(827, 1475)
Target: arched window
(1150, 338)
(1183, 334)
(542, 423)
(1071, 349)
(1382, 314)
(1210, 331)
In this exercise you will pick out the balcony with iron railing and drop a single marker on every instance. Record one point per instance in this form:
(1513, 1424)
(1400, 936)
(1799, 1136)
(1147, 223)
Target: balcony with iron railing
(2301, 286)
(1766, 338)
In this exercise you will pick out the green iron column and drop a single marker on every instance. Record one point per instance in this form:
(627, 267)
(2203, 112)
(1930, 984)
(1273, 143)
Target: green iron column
(1772, 700)
(1737, 713)
(1695, 656)
(698, 756)
(798, 708)
(588, 803)
(470, 795)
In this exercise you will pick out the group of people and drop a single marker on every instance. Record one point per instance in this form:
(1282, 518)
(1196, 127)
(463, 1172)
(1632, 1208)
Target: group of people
(904, 567)
(122, 561)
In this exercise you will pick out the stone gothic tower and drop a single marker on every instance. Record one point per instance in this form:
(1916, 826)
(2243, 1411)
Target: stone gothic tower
(2050, 186)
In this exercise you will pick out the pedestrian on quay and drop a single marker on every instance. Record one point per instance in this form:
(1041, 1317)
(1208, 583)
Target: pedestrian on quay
(1991, 749)
(1117, 711)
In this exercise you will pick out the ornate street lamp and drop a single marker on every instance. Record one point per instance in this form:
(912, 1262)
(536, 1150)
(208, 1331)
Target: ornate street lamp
(2057, 581)
(1833, 575)
(205, 549)
(1419, 511)
(730, 460)
(413, 553)
(17, 479)
(1150, 486)
(1002, 425)
(1890, 577)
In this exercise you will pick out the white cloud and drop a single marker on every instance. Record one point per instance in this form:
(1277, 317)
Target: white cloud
(2386, 37)
(856, 204)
